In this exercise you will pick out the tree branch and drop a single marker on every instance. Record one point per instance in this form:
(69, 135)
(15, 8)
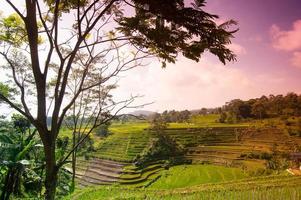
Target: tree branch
(21, 87)
(14, 106)
(95, 125)
(16, 9)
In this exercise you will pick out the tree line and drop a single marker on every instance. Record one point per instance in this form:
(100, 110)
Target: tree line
(175, 116)
(261, 108)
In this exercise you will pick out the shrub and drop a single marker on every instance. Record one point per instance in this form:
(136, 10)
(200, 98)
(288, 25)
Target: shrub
(292, 132)
(260, 172)
(257, 155)
(284, 117)
(103, 130)
(231, 119)
(162, 148)
(222, 118)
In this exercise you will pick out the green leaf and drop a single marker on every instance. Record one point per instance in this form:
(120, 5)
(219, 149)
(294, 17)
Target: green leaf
(5, 139)
(12, 30)
(24, 162)
(4, 90)
(26, 149)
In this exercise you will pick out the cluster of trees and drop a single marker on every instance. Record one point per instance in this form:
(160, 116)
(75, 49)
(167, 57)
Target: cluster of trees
(261, 108)
(163, 147)
(206, 111)
(176, 116)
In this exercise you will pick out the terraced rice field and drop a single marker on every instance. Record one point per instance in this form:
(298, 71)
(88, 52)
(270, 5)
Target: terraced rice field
(277, 187)
(191, 175)
(97, 171)
(112, 163)
(220, 145)
(123, 146)
(101, 172)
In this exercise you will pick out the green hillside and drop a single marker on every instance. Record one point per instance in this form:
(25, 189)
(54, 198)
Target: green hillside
(266, 187)
(224, 157)
(191, 175)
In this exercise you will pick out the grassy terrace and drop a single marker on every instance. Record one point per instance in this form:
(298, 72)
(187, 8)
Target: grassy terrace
(125, 143)
(201, 121)
(192, 175)
(104, 172)
(216, 145)
(129, 139)
(265, 187)
(223, 174)
(124, 146)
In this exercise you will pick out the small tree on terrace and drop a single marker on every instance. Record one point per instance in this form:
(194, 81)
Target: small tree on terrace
(162, 147)
(158, 124)
(42, 41)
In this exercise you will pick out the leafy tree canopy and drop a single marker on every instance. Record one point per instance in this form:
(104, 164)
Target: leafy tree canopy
(162, 27)
(167, 27)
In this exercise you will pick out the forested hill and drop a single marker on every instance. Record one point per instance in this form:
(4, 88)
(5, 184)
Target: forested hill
(236, 110)
(264, 107)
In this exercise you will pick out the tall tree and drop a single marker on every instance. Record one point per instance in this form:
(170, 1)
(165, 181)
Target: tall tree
(42, 40)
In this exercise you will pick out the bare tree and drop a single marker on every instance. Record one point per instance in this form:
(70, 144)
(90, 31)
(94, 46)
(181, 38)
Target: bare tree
(95, 105)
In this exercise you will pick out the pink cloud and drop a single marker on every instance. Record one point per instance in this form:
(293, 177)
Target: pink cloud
(296, 60)
(237, 49)
(187, 85)
(287, 40)
(256, 38)
(191, 85)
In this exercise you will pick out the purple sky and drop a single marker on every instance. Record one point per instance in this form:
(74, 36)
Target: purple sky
(268, 46)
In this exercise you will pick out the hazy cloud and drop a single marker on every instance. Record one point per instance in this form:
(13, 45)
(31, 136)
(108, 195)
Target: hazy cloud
(187, 85)
(256, 38)
(296, 60)
(287, 40)
(237, 49)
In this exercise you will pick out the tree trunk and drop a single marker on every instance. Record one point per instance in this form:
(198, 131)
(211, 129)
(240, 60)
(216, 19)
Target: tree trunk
(73, 163)
(51, 171)
(10, 184)
(41, 181)
(73, 171)
(5, 189)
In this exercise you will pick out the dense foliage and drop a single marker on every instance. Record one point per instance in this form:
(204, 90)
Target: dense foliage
(20, 159)
(103, 130)
(261, 108)
(162, 147)
(176, 116)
